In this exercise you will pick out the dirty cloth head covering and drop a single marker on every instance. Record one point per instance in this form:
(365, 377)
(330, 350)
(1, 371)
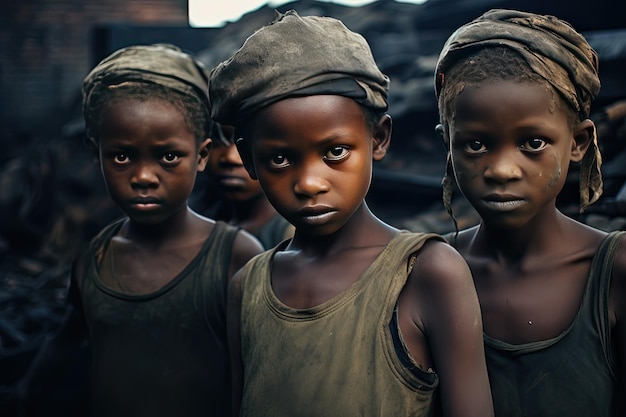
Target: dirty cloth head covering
(296, 56)
(162, 64)
(553, 50)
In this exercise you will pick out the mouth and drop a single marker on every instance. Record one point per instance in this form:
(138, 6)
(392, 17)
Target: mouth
(145, 203)
(316, 215)
(503, 202)
(230, 181)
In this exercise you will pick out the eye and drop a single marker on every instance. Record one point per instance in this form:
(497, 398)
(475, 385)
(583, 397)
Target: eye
(336, 153)
(170, 158)
(475, 146)
(534, 145)
(278, 161)
(121, 158)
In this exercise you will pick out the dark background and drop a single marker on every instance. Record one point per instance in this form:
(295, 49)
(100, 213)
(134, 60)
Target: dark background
(52, 199)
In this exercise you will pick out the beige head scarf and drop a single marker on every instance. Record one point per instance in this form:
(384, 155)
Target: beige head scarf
(296, 56)
(552, 49)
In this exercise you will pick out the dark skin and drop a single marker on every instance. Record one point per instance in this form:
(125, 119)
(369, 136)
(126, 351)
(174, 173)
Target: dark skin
(511, 145)
(149, 158)
(248, 206)
(313, 157)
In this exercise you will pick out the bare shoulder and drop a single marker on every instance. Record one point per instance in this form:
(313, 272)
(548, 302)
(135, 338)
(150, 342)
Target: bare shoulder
(439, 265)
(440, 287)
(245, 247)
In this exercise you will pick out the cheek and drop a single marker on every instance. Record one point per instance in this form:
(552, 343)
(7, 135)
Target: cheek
(464, 171)
(554, 180)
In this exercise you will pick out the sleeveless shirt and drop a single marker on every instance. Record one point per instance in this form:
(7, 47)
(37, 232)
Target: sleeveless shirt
(570, 375)
(163, 353)
(273, 232)
(334, 359)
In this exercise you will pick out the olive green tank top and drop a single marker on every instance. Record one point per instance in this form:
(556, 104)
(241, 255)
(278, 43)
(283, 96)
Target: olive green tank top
(334, 359)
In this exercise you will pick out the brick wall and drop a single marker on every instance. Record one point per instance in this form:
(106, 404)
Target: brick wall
(45, 51)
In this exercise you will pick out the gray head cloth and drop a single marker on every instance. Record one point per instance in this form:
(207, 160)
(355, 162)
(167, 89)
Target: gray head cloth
(162, 64)
(296, 56)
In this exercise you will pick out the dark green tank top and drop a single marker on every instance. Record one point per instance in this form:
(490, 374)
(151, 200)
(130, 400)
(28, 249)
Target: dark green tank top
(337, 358)
(571, 375)
(164, 353)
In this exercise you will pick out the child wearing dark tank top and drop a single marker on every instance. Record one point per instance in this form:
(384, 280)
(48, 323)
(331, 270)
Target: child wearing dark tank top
(515, 91)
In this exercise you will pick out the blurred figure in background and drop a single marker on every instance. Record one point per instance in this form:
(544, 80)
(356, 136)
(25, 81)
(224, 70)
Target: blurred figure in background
(235, 198)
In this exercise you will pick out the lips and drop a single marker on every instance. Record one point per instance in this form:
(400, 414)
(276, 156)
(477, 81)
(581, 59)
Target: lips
(231, 181)
(315, 215)
(503, 202)
(145, 203)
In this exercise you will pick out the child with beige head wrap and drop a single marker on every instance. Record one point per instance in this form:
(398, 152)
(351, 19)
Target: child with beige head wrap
(515, 91)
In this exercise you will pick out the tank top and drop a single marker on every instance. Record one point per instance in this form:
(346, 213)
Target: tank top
(164, 353)
(570, 375)
(334, 359)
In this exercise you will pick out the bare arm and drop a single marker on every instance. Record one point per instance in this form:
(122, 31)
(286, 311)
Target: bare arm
(439, 306)
(617, 312)
(233, 321)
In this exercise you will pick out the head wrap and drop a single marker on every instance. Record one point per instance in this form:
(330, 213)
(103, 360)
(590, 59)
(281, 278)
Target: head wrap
(162, 64)
(296, 56)
(553, 50)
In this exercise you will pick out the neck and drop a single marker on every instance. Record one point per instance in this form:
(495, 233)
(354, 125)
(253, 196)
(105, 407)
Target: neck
(255, 210)
(177, 226)
(363, 230)
(535, 237)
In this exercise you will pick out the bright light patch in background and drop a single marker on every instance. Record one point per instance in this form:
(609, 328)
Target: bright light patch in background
(216, 13)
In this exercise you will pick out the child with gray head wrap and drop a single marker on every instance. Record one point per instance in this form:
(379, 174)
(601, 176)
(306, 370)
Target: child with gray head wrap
(351, 316)
(515, 91)
(148, 293)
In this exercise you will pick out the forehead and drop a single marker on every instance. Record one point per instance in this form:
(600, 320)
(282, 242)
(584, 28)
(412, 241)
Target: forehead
(515, 99)
(309, 116)
(133, 118)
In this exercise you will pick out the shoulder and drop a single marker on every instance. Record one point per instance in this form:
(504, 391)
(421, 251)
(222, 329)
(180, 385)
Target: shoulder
(440, 282)
(245, 247)
(618, 272)
(461, 239)
(619, 248)
(93, 251)
(439, 264)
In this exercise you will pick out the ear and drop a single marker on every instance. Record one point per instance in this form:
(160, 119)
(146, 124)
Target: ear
(441, 134)
(92, 144)
(243, 146)
(203, 153)
(382, 137)
(584, 134)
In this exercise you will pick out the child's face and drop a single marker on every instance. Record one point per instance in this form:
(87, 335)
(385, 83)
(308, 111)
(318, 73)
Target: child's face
(511, 146)
(149, 158)
(313, 157)
(229, 175)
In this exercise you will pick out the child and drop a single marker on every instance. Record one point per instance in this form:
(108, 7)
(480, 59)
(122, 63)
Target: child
(238, 199)
(351, 316)
(150, 289)
(515, 91)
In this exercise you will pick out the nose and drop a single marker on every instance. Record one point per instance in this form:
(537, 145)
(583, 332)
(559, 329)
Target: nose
(230, 156)
(311, 181)
(145, 176)
(503, 167)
